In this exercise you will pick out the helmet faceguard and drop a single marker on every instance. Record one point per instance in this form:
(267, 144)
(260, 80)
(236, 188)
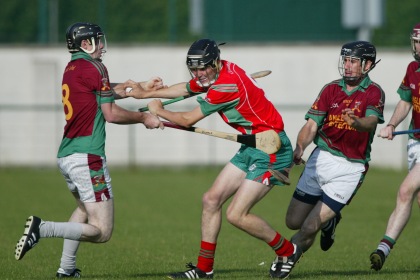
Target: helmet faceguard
(359, 50)
(415, 37)
(202, 54)
(92, 33)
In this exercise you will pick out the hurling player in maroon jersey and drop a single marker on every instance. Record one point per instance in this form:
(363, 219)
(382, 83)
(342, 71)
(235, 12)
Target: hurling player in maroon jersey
(409, 92)
(88, 102)
(341, 123)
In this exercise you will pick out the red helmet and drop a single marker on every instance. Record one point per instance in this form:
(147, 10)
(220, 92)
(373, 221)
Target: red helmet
(415, 36)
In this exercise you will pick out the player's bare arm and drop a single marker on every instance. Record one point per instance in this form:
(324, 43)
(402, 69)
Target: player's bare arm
(122, 90)
(400, 113)
(154, 83)
(118, 115)
(305, 137)
(138, 91)
(186, 119)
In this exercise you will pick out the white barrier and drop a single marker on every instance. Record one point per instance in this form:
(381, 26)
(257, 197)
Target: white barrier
(31, 118)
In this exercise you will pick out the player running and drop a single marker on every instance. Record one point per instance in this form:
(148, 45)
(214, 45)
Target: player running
(242, 104)
(409, 188)
(88, 101)
(341, 123)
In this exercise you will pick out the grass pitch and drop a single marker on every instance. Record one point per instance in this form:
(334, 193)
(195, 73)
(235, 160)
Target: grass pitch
(157, 228)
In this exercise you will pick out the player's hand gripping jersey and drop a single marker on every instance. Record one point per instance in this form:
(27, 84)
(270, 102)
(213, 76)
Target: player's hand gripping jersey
(335, 134)
(85, 87)
(239, 100)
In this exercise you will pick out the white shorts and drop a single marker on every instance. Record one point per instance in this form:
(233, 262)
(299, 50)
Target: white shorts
(332, 175)
(87, 175)
(413, 151)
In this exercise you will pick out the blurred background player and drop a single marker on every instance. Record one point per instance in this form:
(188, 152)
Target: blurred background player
(242, 104)
(409, 188)
(341, 123)
(88, 101)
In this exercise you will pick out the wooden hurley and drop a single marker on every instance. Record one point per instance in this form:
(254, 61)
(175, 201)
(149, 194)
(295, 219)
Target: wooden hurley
(267, 141)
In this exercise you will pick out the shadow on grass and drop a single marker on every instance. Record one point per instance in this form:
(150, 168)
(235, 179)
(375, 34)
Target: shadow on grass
(363, 274)
(253, 274)
(222, 273)
(239, 273)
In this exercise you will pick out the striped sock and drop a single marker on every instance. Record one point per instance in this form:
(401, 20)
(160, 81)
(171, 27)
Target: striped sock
(281, 246)
(206, 256)
(386, 244)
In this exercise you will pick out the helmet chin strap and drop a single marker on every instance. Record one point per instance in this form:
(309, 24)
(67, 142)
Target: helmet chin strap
(93, 44)
(372, 66)
(354, 82)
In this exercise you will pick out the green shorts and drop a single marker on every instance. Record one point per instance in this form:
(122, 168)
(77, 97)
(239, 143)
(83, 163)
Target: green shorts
(255, 163)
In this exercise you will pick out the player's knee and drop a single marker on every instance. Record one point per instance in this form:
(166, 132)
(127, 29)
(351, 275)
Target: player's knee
(101, 235)
(405, 194)
(210, 202)
(292, 226)
(104, 237)
(292, 223)
(233, 218)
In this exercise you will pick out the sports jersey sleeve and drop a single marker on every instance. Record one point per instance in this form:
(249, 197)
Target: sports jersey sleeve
(194, 88)
(375, 106)
(208, 108)
(409, 92)
(102, 85)
(404, 89)
(221, 96)
(319, 108)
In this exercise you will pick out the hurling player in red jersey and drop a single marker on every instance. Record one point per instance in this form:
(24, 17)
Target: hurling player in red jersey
(409, 92)
(242, 104)
(88, 101)
(341, 123)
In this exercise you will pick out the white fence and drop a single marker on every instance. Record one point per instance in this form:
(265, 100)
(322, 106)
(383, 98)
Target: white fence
(31, 118)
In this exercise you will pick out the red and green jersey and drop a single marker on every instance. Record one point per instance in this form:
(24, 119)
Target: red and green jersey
(85, 87)
(334, 134)
(409, 91)
(239, 100)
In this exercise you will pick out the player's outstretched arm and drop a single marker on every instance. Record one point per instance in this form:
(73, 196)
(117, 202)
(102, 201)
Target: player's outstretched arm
(305, 137)
(185, 119)
(118, 115)
(138, 92)
(121, 90)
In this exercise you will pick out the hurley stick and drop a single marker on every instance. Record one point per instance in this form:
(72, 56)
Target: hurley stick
(417, 130)
(283, 175)
(267, 141)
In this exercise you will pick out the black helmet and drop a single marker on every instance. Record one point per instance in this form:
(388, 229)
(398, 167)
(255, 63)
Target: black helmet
(362, 50)
(415, 36)
(83, 31)
(202, 53)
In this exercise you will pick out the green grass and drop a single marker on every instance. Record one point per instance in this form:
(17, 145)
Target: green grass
(157, 228)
